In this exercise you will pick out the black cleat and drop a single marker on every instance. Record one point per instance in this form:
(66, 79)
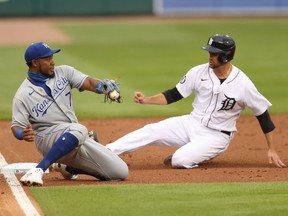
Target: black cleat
(93, 135)
(167, 160)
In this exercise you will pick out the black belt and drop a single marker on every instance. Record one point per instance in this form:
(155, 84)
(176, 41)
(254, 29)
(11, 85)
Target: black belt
(226, 132)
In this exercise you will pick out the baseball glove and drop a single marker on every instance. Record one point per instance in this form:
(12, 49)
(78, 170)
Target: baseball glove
(110, 89)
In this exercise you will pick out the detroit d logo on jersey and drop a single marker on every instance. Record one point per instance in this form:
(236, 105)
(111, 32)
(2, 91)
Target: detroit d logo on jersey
(228, 103)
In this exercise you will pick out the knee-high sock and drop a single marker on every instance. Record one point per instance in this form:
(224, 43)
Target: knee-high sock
(64, 144)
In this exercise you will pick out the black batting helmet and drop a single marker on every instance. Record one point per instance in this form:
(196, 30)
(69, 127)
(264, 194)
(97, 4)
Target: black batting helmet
(222, 44)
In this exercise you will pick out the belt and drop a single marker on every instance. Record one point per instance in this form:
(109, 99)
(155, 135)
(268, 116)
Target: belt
(226, 132)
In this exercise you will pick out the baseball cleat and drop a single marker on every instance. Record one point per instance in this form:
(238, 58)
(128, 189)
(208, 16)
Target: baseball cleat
(167, 160)
(33, 177)
(93, 135)
(58, 167)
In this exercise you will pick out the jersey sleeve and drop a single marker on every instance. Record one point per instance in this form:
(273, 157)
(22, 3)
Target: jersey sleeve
(255, 100)
(186, 84)
(75, 77)
(19, 113)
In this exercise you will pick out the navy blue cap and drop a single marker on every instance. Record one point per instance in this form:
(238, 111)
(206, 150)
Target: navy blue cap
(38, 50)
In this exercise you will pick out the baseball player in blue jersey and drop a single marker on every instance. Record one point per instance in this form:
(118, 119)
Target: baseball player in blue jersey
(222, 91)
(43, 112)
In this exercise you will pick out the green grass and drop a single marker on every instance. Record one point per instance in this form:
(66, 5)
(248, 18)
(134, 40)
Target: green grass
(165, 199)
(152, 57)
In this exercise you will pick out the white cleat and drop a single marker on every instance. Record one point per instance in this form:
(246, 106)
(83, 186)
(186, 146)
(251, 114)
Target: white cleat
(58, 167)
(33, 177)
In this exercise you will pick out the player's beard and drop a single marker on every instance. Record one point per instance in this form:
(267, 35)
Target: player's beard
(214, 65)
(46, 73)
(50, 75)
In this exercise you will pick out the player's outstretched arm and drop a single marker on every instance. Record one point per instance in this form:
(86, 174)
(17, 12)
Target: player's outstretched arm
(272, 154)
(89, 84)
(268, 127)
(109, 88)
(158, 99)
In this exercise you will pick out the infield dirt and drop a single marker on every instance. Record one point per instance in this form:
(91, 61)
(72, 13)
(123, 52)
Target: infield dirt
(244, 161)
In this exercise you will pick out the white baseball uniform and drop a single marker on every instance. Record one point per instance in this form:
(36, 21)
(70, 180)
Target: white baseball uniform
(207, 131)
(52, 116)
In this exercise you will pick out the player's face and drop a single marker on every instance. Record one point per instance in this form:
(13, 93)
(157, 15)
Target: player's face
(213, 60)
(46, 66)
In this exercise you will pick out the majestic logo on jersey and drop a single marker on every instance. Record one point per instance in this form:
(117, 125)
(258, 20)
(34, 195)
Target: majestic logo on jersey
(228, 103)
(183, 80)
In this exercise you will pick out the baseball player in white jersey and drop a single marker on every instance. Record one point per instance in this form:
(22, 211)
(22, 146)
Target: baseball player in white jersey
(43, 112)
(222, 91)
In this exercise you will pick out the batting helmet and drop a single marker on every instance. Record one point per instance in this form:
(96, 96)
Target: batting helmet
(222, 44)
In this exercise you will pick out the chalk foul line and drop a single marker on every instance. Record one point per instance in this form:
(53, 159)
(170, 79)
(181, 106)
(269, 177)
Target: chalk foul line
(18, 192)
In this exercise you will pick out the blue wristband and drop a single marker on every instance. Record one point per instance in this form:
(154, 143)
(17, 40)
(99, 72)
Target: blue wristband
(99, 88)
(18, 134)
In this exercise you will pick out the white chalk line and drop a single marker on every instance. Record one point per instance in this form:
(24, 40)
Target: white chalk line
(18, 191)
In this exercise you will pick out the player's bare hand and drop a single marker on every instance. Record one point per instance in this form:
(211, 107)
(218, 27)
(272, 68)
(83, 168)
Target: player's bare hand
(139, 97)
(274, 158)
(28, 133)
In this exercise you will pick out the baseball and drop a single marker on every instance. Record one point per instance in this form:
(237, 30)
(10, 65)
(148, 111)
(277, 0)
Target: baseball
(114, 95)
